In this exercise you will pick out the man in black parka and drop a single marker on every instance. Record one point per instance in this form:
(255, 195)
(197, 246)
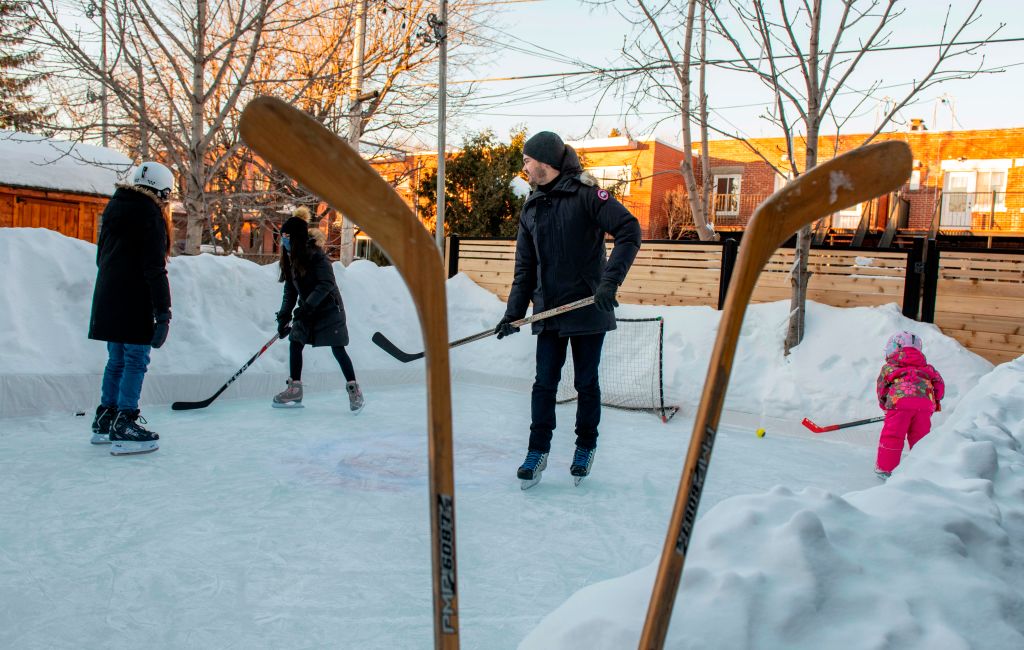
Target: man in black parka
(131, 304)
(560, 258)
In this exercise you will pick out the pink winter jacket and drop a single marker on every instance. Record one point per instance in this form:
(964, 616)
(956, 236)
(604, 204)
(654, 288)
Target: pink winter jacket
(906, 373)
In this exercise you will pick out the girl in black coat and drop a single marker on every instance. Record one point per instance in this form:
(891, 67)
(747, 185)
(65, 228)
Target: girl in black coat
(319, 319)
(131, 304)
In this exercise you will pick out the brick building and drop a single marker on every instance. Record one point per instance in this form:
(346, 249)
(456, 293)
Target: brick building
(964, 183)
(641, 172)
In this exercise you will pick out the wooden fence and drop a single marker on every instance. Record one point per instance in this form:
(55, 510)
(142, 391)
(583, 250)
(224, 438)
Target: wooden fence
(688, 273)
(975, 296)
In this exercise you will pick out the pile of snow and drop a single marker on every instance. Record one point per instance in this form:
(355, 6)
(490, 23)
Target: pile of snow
(28, 160)
(931, 559)
(224, 310)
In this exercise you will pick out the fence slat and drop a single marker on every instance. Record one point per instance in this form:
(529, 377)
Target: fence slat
(975, 296)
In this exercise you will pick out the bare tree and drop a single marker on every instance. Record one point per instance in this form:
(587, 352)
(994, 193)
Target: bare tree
(178, 73)
(801, 54)
(697, 194)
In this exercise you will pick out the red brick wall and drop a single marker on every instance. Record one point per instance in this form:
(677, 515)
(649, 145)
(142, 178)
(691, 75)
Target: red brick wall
(929, 150)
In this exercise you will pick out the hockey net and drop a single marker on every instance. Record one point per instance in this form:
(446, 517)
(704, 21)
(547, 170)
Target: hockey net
(631, 369)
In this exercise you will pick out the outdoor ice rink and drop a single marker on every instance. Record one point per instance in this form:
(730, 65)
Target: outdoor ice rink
(254, 527)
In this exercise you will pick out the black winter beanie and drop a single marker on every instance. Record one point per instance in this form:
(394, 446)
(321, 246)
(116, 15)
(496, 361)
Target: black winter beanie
(298, 230)
(546, 147)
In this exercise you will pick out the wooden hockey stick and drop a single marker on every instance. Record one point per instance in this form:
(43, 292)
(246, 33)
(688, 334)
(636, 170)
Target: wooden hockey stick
(301, 147)
(844, 181)
(384, 343)
(817, 428)
(188, 406)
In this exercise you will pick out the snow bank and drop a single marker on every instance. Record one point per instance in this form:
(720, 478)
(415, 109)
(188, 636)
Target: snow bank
(932, 559)
(224, 311)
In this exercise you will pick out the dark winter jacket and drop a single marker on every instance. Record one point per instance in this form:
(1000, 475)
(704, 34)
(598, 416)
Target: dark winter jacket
(560, 251)
(131, 283)
(317, 292)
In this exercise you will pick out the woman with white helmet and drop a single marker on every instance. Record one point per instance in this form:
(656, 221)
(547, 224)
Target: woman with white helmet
(131, 304)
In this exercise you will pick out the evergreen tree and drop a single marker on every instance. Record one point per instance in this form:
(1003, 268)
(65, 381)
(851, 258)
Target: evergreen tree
(479, 201)
(17, 110)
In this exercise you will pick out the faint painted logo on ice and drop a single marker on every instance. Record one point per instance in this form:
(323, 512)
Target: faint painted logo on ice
(838, 180)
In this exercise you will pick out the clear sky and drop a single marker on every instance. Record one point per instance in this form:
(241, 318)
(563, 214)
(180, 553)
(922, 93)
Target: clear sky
(556, 36)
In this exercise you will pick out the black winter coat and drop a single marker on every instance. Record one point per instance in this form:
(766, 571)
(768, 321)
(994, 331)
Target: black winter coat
(319, 291)
(560, 253)
(131, 283)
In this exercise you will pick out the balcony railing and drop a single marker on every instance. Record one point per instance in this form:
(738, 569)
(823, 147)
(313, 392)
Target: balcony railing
(982, 211)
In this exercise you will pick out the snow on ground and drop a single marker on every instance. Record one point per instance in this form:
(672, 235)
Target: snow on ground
(262, 528)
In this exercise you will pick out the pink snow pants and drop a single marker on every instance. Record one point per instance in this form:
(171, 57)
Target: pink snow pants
(911, 418)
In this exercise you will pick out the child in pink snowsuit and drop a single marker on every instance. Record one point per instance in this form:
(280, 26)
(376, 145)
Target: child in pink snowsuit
(909, 391)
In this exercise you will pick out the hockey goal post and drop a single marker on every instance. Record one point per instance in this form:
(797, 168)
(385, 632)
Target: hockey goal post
(631, 369)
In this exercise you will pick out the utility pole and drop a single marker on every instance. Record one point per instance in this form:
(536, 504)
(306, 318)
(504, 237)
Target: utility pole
(355, 120)
(441, 34)
(103, 64)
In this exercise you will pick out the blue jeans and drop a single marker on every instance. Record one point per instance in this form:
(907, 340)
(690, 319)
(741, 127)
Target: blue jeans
(122, 378)
(586, 357)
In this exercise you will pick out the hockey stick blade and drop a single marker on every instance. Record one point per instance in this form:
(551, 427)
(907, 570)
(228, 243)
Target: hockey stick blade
(816, 428)
(846, 180)
(384, 343)
(188, 406)
(405, 357)
(301, 147)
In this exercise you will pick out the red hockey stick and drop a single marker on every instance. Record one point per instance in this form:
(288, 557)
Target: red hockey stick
(832, 427)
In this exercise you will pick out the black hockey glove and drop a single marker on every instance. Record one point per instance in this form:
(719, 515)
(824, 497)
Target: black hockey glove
(505, 328)
(160, 330)
(604, 297)
(283, 321)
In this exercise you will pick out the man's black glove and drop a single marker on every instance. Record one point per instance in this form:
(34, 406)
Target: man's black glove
(505, 328)
(163, 325)
(283, 320)
(604, 297)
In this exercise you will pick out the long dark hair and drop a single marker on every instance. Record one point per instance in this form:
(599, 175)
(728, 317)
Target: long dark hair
(295, 263)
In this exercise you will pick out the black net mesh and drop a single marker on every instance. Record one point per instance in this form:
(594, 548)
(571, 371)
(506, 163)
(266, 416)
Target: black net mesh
(630, 371)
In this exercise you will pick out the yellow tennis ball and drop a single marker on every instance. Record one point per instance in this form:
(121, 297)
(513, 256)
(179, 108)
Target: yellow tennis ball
(760, 433)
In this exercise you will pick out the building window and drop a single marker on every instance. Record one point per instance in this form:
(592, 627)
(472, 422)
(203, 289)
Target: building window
(972, 186)
(848, 218)
(990, 185)
(614, 179)
(727, 194)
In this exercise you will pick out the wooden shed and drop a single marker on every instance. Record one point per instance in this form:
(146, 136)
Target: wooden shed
(54, 184)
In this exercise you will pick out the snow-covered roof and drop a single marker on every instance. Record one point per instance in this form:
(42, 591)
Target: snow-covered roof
(32, 161)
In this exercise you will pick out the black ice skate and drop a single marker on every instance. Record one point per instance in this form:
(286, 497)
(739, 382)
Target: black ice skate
(101, 425)
(530, 471)
(129, 437)
(581, 462)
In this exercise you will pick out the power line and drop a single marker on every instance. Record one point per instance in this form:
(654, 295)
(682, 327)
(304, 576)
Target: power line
(721, 62)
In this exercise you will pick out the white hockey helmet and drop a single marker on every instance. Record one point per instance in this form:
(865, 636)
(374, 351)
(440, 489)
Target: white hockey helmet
(154, 176)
